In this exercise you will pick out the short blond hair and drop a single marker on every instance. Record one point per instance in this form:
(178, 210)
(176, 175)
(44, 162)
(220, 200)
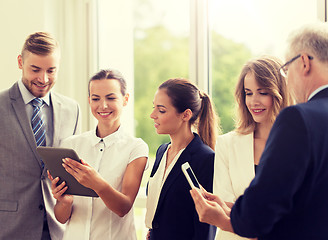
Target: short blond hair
(40, 43)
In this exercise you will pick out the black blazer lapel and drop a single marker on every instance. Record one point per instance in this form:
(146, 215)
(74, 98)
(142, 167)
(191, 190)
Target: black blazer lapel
(176, 170)
(158, 159)
(159, 154)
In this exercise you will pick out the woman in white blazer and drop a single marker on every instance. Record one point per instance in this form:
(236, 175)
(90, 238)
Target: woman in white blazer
(260, 94)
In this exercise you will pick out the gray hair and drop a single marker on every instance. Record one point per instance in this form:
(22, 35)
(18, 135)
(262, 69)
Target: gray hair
(311, 38)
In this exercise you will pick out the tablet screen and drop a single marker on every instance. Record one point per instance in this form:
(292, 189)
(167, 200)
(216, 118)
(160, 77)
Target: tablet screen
(52, 158)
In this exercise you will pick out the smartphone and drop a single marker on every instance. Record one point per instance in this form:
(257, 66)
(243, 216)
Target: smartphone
(186, 169)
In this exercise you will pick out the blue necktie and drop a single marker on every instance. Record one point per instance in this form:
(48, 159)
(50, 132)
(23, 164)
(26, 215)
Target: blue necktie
(38, 123)
(39, 132)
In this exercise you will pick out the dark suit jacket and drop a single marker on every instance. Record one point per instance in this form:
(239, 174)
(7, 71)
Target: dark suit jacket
(288, 197)
(25, 190)
(175, 216)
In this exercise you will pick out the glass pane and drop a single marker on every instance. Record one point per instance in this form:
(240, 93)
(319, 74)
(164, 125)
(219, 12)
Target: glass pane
(161, 51)
(243, 29)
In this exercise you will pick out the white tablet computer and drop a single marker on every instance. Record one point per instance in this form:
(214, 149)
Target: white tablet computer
(52, 158)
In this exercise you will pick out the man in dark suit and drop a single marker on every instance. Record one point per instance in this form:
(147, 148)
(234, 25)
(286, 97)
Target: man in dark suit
(288, 197)
(26, 202)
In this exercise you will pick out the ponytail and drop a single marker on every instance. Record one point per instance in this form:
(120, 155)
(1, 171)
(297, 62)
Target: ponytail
(185, 95)
(208, 122)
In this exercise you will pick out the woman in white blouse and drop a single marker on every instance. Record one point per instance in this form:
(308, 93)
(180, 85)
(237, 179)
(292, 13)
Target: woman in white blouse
(261, 94)
(112, 165)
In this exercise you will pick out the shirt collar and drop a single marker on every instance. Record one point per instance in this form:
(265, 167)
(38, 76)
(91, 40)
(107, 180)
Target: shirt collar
(28, 97)
(108, 140)
(317, 90)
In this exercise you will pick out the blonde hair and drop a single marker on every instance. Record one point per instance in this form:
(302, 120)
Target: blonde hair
(267, 75)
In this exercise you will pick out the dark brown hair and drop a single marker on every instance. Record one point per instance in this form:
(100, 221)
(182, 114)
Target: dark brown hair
(185, 95)
(109, 74)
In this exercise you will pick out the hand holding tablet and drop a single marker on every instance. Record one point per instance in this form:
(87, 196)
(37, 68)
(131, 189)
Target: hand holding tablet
(52, 158)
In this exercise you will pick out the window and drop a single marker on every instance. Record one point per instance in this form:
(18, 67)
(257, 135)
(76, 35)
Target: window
(161, 51)
(243, 29)
(205, 41)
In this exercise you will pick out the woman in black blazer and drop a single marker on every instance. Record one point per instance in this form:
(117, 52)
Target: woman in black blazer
(178, 106)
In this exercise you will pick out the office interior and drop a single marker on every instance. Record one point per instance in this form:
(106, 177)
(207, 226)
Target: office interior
(99, 34)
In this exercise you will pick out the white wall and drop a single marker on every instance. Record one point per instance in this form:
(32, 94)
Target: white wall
(71, 18)
(19, 18)
(16, 23)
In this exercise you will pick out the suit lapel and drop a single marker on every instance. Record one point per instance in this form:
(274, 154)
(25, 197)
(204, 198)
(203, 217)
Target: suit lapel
(158, 159)
(56, 108)
(242, 163)
(176, 170)
(21, 115)
(245, 146)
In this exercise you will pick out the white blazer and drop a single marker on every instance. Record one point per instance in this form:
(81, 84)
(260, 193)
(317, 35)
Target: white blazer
(233, 170)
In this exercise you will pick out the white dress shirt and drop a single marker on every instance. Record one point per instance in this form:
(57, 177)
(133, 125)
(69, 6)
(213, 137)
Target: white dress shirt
(90, 218)
(317, 90)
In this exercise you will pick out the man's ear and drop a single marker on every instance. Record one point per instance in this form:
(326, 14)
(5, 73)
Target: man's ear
(306, 64)
(186, 115)
(20, 61)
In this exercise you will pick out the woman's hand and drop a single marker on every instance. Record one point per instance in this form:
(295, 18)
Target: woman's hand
(63, 207)
(59, 191)
(83, 173)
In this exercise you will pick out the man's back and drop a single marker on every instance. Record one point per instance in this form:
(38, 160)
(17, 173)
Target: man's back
(308, 218)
